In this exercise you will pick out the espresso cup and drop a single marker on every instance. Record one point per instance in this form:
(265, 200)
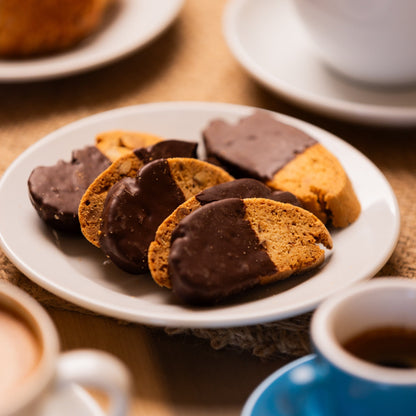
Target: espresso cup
(365, 362)
(32, 369)
(371, 41)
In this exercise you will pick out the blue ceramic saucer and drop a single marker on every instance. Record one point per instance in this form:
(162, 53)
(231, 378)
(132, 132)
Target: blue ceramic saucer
(267, 399)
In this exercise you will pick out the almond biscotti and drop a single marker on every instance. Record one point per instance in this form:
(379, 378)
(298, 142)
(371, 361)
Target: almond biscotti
(55, 191)
(284, 158)
(231, 245)
(91, 206)
(135, 207)
(240, 188)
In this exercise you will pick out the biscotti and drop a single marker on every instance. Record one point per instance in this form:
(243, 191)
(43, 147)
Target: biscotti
(117, 143)
(231, 245)
(240, 188)
(91, 206)
(284, 158)
(135, 207)
(55, 191)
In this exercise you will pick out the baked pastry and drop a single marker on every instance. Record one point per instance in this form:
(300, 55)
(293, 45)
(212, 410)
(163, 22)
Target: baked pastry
(135, 207)
(55, 191)
(91, 206)
(239, 188)
(231, 245)
(33, 27)
(284, 158)
(117, 143)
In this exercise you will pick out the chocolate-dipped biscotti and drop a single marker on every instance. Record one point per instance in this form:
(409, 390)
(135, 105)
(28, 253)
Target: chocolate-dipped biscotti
(55, 191)
(135, 207)
(240, 188)
(91, 206)
(231, 245)
(284, 158)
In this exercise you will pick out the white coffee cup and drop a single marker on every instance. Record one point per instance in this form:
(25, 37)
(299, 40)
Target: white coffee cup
(36, 370)
(371, 41)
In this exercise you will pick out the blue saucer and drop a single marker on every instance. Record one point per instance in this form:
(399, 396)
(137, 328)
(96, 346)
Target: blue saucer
(267, 400)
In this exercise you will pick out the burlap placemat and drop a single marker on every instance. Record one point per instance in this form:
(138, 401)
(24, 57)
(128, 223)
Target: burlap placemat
(192, 62)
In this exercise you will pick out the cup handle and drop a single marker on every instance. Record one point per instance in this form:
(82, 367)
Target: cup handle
(304, 391)
(100, 370)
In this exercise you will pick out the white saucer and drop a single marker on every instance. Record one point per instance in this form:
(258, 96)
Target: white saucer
(269, 42)
(73, 400)
(129, 26)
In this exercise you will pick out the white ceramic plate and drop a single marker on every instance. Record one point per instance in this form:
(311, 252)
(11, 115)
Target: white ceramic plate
(130, 26)
(77, 271)
(267, 39)
(70, 401)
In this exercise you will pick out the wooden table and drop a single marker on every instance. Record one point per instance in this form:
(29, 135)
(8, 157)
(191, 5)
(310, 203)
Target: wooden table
(183, 375)
(173, 375)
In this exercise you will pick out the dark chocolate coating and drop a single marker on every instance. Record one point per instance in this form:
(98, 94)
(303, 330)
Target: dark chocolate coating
(166, 149)
(56, 191)
(215, 253)
(286, 197)
(257, 146)
(133, 210)
(244, 188)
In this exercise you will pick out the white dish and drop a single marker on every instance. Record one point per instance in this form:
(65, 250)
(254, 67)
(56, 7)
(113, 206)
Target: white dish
(267, 39)
(70, 401)
(131, 25)
(77, 271)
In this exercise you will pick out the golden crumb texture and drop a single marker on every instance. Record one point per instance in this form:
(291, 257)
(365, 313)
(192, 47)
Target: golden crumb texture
(318, 179)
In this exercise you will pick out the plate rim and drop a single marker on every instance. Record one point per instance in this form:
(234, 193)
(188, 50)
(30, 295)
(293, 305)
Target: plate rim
(57, 70)
(110, 310)
(344, 109)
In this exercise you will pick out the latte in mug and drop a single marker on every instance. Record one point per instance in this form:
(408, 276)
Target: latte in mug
(20, 351)
(393, 347)
(32, 369)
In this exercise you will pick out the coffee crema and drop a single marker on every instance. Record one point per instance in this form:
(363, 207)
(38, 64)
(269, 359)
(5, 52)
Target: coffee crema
(393, 347)
(20, 352)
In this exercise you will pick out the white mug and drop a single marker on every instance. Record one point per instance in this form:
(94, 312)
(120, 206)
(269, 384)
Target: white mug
(36, 370)
(371, 41)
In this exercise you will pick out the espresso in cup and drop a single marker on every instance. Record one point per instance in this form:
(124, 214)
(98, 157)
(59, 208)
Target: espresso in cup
(393, 347)
(364, 339)
(20, 351)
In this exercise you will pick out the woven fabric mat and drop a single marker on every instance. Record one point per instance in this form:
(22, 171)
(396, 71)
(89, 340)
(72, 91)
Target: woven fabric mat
(192, 62)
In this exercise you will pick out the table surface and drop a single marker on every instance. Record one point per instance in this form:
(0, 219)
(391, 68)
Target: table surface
(182, 374)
